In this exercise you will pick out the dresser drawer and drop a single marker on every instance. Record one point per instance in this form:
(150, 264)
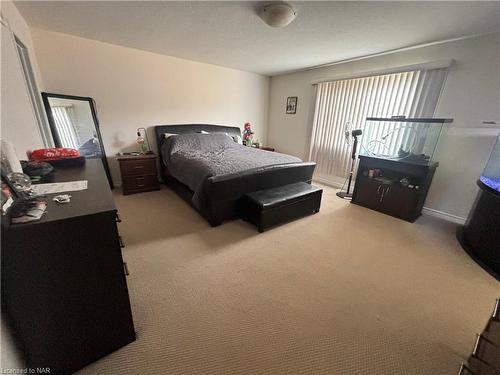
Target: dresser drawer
(133, 184)
(138, 167)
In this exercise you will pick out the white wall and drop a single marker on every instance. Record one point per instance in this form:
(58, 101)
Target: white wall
(471, 95)
(18, 122)
(134, 88)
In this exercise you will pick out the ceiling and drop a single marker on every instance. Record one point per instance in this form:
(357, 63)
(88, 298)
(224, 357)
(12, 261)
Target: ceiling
(231, 34)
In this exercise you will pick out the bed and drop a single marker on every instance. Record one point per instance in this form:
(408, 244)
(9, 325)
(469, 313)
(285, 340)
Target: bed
(211, 171)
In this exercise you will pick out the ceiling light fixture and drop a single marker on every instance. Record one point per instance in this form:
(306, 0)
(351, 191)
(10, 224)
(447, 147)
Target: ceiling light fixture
(277, 14)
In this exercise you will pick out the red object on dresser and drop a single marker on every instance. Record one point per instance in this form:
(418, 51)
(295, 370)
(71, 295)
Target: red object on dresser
(56, 153)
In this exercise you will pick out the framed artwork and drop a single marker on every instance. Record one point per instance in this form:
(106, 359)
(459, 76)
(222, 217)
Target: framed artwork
(291, 105)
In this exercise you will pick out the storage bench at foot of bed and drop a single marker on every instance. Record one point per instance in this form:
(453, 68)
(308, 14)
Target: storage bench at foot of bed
(267, 208)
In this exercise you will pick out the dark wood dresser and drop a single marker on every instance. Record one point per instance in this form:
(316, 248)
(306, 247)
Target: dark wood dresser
(63, 278)
(139, 173)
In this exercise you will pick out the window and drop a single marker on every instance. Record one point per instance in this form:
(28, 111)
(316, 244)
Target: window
(411, 93)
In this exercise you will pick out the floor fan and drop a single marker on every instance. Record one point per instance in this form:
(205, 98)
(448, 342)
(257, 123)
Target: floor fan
(348, 133)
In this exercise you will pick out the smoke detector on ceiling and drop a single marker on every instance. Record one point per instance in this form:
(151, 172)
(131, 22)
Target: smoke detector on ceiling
(277, 14)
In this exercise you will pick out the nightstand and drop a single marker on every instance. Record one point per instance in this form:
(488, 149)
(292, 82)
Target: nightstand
(266, 148)
(138, 173)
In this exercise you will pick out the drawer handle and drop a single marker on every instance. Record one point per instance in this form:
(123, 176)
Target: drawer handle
(139, 166)
(139, 178)
(141, 185)
(466, 368)
(125, 269)
(496, 310)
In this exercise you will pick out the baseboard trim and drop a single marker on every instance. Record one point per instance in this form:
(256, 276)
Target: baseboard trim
(330, 182)
(444, 215)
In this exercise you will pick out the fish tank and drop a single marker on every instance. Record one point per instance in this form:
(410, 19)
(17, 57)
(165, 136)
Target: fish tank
(411, 140)
(491, 173)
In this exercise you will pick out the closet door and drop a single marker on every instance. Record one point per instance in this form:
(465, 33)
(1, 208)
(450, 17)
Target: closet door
(19, 123)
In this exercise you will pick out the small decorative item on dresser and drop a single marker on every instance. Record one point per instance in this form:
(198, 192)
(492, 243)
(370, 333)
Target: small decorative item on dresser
(139, 173)
(291, 105)
(142, 140)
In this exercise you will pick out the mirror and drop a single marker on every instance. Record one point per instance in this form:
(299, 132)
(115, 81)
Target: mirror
(73, 123)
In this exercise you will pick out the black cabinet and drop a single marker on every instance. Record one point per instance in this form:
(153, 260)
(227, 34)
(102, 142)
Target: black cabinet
(393, 187)
(368, 193)
(63, 279)
(480, 236)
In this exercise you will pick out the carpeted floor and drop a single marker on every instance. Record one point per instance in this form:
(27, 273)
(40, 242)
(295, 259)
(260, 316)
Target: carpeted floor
(345, 291)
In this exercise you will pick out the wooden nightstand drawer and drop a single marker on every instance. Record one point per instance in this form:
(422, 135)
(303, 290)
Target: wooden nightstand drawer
(138, 167)
(138, 173)
(132, 184)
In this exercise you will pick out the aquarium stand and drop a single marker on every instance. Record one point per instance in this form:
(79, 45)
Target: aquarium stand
(480, 236)
(394, 187)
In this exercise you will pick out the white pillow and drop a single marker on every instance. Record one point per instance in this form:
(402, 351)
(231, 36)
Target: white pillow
(235, 138)
(166, 135)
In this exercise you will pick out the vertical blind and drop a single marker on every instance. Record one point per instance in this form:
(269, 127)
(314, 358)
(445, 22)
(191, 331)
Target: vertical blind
(412, 94)
(64, 125)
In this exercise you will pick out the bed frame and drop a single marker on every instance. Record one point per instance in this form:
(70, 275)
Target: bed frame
(222, 208)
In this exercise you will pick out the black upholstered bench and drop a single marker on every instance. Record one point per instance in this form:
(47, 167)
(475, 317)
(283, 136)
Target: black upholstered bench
(267, 208)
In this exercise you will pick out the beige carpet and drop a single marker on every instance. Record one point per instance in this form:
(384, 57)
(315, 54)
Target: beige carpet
(346, 291)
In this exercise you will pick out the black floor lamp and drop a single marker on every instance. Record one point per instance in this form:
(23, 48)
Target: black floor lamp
(355, 134)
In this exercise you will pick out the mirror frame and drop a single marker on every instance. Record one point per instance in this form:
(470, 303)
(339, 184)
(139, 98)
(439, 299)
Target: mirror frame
(53, 130)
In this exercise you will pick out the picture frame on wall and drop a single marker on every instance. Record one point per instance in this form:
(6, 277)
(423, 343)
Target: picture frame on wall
(291, 105)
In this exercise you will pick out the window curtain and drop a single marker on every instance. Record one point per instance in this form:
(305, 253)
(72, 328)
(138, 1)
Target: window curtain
(412, 94)
(65, 126)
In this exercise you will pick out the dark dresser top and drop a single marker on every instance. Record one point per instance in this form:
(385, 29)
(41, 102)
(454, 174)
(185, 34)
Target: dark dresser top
(97, 198)
(136, 157)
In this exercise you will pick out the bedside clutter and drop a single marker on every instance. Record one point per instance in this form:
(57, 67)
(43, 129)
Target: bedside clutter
(138, 173)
